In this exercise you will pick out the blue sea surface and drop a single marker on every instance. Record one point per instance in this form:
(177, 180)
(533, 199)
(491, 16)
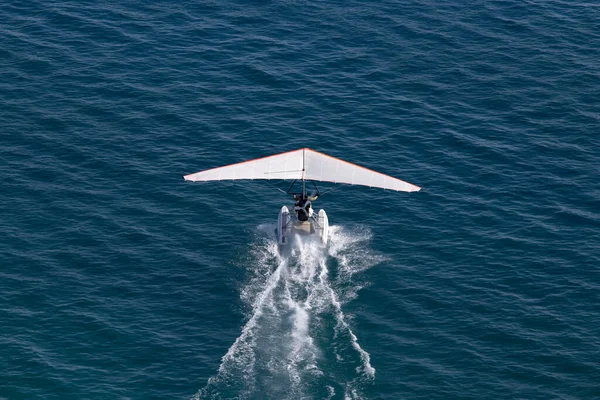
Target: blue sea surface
(119, 280)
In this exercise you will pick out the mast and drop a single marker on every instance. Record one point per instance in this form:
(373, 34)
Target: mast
(303, 172)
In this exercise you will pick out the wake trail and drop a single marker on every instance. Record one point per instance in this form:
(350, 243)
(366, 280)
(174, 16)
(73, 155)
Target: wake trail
(297, 342)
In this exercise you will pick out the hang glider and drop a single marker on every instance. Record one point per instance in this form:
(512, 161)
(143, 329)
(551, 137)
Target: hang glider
(303, 164)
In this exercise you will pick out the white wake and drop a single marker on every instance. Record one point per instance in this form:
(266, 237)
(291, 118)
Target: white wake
(297, 342)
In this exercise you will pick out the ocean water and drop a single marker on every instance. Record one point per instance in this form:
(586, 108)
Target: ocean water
(118, 280)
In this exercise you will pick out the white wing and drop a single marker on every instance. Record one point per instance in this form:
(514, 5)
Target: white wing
(321, 167)
(303, 164)
(280, 166)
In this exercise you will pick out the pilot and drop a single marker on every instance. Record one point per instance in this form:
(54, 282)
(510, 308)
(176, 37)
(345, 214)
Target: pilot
(302, 206)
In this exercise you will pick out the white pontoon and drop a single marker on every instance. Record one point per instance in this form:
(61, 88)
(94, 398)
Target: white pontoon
(303, 165)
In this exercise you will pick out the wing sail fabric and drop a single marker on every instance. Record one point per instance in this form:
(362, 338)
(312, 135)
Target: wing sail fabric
(321, 167)
(280, 166)
(304, 164)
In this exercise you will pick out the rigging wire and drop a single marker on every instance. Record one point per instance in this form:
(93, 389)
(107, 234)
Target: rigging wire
(272, 184)
(339, 185)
